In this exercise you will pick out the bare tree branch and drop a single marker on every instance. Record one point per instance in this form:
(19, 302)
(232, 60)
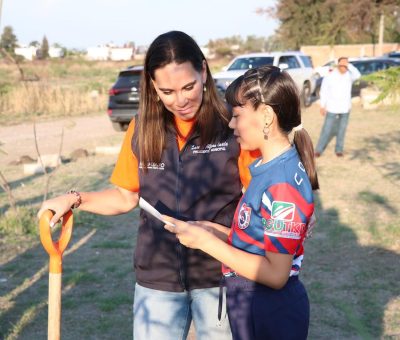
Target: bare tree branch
(6, 187)
(46, 173)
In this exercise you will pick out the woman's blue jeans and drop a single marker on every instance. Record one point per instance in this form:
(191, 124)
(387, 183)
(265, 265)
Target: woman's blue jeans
(160, 315)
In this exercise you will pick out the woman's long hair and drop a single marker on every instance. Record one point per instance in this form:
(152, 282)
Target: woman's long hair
(270, 86)
(154, 119)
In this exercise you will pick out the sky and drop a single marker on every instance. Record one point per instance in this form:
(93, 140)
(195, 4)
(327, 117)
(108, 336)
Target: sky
(84, 23)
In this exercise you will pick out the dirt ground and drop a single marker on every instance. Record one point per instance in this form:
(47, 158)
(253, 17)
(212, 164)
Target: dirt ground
(79, 132)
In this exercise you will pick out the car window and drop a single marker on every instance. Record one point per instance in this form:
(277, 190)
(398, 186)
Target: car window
(128, 79)
(307, 61)
(247, 63)
(394, 55)
(290, 60)
(379, 65)
(363, 67)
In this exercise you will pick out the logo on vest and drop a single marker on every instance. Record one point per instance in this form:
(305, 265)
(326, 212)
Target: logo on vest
(153, 166)
(217, 147)
(244, 216)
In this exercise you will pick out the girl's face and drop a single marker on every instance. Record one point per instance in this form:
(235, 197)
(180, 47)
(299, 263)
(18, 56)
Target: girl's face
(180, 88)
(248, 124)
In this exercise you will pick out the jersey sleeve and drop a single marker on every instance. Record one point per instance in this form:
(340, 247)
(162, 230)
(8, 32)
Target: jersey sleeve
(285, 215)
(244, 160)
(126, 170)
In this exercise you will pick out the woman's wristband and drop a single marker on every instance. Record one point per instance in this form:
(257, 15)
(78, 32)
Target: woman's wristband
(78, 198)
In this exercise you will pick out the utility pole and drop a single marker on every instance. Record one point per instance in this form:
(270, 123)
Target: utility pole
(1, 6)
(381, 30)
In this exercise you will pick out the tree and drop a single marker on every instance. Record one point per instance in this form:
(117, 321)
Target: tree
(329, 22)
(34, 43)
(229, 46)
(8, 40)
(254, 44)
(44, 49)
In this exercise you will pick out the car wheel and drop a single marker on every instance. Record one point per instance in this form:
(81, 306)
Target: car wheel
(306, 95)
(119, 126)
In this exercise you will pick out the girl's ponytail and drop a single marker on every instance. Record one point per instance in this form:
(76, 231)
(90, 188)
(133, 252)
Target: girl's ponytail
(305, 149)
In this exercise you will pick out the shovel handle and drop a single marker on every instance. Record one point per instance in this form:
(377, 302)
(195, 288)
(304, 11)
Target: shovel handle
(55, 249)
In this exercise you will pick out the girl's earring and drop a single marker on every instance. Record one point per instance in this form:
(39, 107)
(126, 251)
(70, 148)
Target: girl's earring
(266, 131)
(204, 89)
(158, 98)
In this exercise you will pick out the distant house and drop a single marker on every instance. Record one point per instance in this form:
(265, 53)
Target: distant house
(56, 52)
(98, 53)
(107, 52)
(122, 53)
(28, 52)
(32, 52)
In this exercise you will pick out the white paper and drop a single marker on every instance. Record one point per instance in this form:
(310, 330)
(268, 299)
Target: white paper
(152, 211)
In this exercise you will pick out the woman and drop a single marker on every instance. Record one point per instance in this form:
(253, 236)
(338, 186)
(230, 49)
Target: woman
(181, 157)
(264, 249)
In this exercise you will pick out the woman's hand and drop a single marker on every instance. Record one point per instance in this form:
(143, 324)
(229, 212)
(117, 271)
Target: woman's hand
(59, 205)
(218, 230)
(190, 234)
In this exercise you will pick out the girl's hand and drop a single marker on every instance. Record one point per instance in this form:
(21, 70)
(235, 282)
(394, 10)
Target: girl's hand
(190, 234)
(59, 205)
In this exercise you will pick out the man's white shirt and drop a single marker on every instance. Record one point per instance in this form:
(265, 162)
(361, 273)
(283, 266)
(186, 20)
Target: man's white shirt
(335, 93)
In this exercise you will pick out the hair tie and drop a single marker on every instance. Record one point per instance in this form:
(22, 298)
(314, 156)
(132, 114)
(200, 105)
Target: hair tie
(298, 127)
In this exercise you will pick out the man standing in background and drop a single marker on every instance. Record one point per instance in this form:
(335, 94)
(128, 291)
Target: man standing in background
(335, 96)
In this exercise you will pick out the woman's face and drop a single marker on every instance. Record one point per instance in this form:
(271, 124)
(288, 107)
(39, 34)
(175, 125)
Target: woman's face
(247, 124)
(180, 88)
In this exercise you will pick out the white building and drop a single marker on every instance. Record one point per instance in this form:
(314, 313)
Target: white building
(122, 53)
(98, 53)
(56, 52)
(28, 52)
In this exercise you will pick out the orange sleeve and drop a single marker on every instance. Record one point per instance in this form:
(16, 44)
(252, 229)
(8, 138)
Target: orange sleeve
(126, 170)
(244, 160)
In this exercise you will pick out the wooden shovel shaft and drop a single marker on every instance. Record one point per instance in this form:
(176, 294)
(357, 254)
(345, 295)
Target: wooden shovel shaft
(54, 317)
(55, 251)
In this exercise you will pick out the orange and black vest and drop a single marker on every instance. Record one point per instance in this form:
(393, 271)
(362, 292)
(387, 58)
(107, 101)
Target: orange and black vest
(196, 183)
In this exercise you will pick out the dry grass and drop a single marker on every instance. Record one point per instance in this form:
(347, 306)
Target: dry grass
(43, 98)
(65, 88)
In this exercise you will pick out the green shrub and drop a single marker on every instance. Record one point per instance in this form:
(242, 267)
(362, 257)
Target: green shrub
(23, 221)
(387, 81)
(5, 88)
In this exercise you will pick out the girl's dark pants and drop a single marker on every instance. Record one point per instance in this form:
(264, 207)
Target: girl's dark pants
(258, 312)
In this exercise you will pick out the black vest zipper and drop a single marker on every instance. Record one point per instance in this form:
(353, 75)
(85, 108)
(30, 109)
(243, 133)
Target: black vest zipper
(179, 247)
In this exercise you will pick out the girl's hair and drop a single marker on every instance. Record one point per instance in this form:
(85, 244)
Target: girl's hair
(154, 119)
(270, 86)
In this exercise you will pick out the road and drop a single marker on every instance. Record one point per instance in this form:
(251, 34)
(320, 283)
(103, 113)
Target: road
(79, 132)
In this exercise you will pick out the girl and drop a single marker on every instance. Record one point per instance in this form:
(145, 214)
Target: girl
(264, 251)
(181, 156)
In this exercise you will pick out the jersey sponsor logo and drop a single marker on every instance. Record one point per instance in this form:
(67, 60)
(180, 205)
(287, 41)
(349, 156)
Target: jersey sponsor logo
(282, 211)
(244, 216)
(284, 229)
(281, 223)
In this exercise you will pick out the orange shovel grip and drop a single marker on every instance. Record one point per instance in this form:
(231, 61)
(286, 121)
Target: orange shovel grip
(55, 249)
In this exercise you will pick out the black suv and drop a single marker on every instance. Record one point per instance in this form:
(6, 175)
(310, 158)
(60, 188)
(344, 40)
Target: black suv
(123, 102)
